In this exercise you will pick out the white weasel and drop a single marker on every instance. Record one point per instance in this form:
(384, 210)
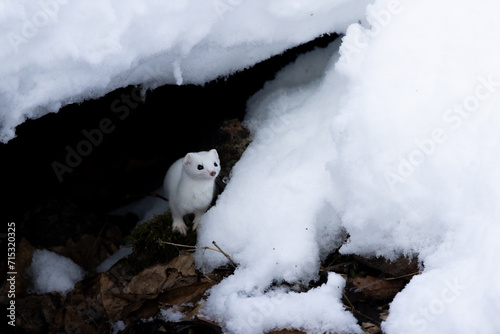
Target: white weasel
(189, 185)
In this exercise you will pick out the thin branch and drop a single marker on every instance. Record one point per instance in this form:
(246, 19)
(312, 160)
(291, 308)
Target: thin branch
(398, 277)
(201, 248)
(225, 254)
(353, 310)
(161, 242)
(348, 301)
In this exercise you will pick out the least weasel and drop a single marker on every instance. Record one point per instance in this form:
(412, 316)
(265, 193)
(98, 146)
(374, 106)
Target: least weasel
(189, 185)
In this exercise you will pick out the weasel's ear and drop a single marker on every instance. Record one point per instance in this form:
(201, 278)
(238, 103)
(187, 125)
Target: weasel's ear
(214, 152)
(188, 158)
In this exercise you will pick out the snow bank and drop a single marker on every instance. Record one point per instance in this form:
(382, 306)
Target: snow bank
(51, 272)
(280, 308)
(417, 170)
(273, 217)
(395, 143)
(57, 52)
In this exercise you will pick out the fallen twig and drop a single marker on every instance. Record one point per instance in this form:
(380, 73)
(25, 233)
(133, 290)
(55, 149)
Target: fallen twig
(402, 276)
(161, 242)
(225, 254)
(353, 310)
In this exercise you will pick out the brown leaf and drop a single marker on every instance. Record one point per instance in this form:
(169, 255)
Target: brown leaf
(148, 309)
(185, 294)
(375, 288)
(69, 321)
(184, 264)
(109, 292)
(402, 266)
(147, 282)
(368, 327)
(36, 313)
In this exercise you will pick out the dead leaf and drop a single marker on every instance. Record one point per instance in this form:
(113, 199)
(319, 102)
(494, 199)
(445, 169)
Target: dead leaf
(112, 304)
(376, 288)
(402, 266)
(148, 309)
(184, 264)
(185, 294)
(147, 282)
(69, 321)
(368, 327)
(36, 313)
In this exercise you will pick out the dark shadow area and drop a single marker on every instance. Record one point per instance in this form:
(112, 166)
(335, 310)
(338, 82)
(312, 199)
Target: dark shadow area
(101, 153)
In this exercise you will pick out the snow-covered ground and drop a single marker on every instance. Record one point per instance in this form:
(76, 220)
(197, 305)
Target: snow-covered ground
(389, 136)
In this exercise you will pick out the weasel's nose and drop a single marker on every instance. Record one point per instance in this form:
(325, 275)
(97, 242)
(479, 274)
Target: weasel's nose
(212, 173)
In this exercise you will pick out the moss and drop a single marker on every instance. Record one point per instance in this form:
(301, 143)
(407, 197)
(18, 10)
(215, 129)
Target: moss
(144, 240)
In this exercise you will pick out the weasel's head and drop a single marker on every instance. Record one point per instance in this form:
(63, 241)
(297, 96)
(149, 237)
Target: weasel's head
(202, 165)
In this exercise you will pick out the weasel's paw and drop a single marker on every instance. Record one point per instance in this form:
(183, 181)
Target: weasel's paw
(180, 227)
(196, 221)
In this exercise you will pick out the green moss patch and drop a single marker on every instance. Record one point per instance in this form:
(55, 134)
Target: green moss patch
(144, 240)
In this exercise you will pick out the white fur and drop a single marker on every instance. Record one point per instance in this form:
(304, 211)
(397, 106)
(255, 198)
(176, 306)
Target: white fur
(189, 189)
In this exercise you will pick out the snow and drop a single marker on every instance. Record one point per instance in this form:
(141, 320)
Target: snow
(118, 327)
(121, 253)
(393, 144)
(388, 136)
(278, 309)
(51, 272)
(416, 170)
(57, 52)
(171, 315)
(273, 217)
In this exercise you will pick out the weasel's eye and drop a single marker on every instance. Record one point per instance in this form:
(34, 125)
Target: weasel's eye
(200, 167)
(215, 164)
